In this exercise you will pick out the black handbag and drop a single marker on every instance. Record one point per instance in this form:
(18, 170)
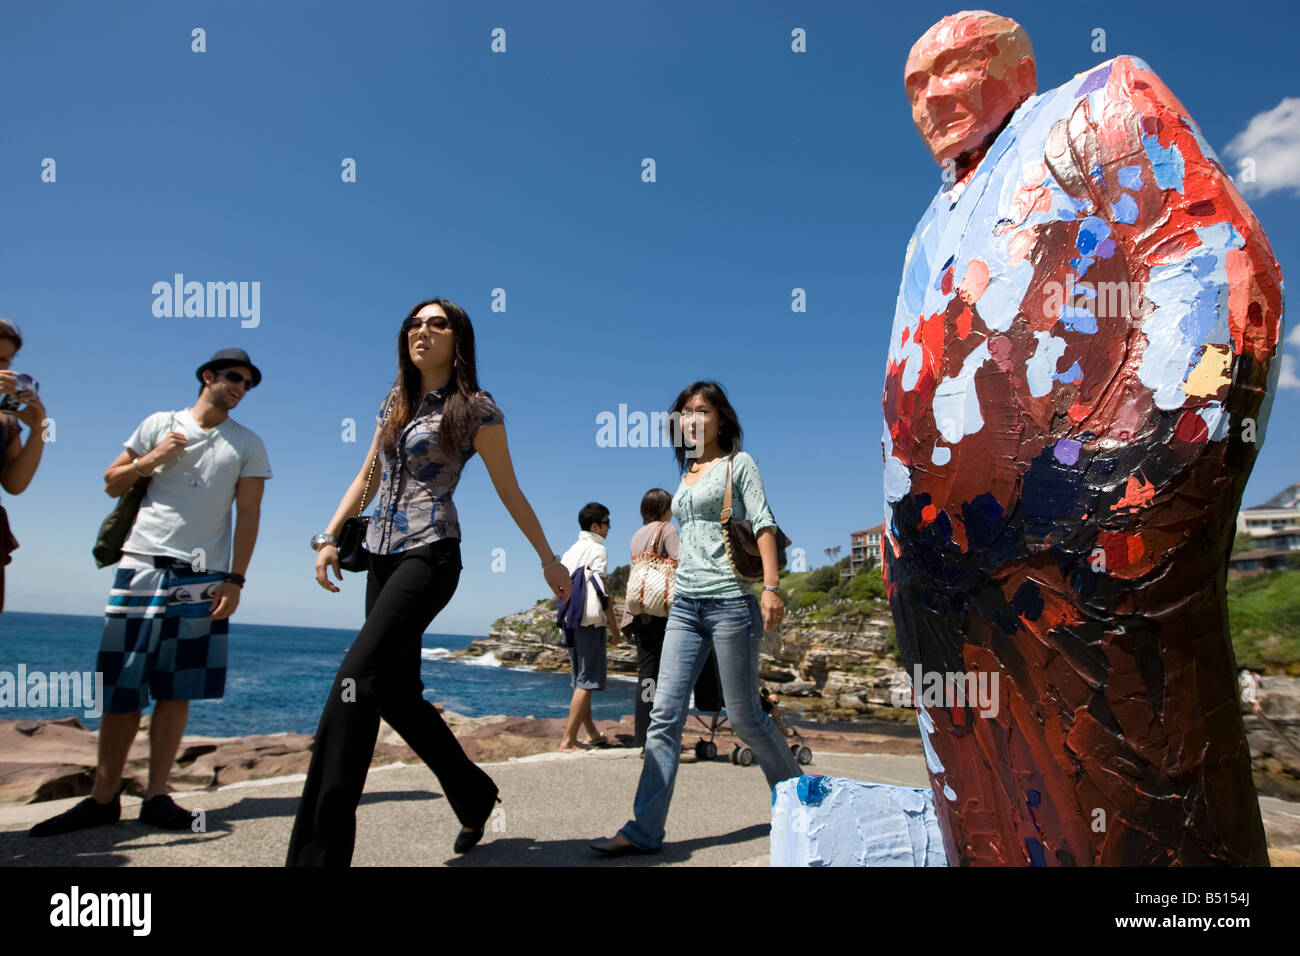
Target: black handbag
(741, 542)
(117, 526)
(352, 555)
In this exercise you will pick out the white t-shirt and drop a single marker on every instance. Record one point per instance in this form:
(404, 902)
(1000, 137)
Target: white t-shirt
(589, 552)
(187, 505)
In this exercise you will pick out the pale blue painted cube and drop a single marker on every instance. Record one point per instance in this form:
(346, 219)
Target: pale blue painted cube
(832, 821)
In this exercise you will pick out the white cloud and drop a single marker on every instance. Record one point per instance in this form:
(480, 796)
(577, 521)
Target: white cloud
(1268, 151)
(1294, 337)
(1288, 377)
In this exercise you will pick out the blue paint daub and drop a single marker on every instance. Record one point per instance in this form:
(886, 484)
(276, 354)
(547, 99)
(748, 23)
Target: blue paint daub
(1130, 177)
(1078, 320)
(1167, 164)
(1036, 856)
(1034, 798)
(811, 790)
(1051, 491)
(1028, 601)
(983, 520)
(1092, 232)
(1073, 374)
(1126, 209)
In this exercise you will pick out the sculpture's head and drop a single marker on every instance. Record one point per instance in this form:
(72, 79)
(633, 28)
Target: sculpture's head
(964, 77)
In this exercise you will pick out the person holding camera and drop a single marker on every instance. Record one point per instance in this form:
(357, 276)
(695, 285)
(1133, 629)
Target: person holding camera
(176, 584)
(713, 607)
(430, 424)
(18, 459)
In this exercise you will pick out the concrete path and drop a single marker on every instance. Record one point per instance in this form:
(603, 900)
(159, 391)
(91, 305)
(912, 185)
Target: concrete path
(552, 806)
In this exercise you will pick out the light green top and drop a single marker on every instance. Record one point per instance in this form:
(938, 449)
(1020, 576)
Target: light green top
(702, 567)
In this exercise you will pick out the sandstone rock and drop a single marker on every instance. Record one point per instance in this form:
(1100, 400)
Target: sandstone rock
(796, 688)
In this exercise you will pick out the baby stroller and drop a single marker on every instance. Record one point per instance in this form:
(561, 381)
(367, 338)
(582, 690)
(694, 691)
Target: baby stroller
(708, 698)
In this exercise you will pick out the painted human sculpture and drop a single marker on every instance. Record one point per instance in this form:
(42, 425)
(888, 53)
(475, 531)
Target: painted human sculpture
(1079, 375)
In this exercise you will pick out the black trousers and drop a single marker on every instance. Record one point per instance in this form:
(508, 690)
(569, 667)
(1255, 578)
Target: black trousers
(380, 676)
(649, 645)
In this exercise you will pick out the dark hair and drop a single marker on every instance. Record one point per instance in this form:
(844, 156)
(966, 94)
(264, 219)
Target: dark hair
(10, 331)
(456, 411)
(592, 513)
(653, 503)
(729, 430)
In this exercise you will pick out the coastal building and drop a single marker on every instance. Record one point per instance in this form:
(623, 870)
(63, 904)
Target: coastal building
(1273, 530)
(1279, 513)
(864, 548)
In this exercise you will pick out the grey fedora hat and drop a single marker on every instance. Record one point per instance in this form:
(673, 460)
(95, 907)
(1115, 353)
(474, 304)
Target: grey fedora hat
(226, 358)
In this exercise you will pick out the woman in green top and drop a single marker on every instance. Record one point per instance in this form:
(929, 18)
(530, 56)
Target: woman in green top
(712, 608)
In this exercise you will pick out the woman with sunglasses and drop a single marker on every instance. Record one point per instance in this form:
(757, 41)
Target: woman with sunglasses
(712, 608)
(431, 423)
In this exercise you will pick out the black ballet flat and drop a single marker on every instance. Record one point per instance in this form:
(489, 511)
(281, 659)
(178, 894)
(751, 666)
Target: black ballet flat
(466, 840)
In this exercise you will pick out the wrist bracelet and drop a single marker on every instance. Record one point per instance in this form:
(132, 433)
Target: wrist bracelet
(136, 466)
(554, 561)
(236, 579)
(772, 587)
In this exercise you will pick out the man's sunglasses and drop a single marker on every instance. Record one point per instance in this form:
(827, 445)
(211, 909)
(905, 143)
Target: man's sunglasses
(234, 378)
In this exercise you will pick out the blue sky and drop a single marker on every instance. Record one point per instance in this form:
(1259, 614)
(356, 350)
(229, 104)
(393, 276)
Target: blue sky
(521, 171)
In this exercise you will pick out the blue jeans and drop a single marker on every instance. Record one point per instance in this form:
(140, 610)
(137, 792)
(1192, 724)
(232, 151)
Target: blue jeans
(734, 628)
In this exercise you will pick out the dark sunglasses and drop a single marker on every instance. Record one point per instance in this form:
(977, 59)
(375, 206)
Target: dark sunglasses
(234, 378)
(438, 322)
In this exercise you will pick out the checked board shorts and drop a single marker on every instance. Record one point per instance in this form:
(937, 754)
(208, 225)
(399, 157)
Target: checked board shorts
(159, 638)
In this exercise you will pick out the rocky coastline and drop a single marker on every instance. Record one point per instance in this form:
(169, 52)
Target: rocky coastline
(834, 677)
(826, 670)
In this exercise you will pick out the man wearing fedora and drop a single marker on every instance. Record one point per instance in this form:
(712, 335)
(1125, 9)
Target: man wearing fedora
(176, 584)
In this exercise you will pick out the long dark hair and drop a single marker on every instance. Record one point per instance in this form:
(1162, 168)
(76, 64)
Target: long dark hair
(409, 388)
(729, 430)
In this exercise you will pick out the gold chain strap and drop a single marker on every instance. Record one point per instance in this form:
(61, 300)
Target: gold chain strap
(362, 507)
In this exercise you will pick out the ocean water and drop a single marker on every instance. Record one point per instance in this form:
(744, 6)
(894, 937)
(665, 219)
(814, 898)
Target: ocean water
(277, 677)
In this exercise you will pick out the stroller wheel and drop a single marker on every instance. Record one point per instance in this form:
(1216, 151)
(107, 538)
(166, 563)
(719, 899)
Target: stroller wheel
(794, 751)
(803, 755)
(735, 753)
(710, 749)
(746, 757)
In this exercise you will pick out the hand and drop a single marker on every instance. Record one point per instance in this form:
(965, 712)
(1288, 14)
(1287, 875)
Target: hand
(224, 600)
(773, 610)
(33, 412)
(615, 637)
(558, 579)
(172, 444)
(8, 382)
(328, 557)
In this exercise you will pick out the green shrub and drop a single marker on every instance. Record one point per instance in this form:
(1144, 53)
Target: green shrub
(823, 579)
(868, 585)
(809, 598)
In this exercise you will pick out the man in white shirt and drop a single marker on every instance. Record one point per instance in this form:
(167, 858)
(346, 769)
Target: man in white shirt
(587, 653)
(176, 585)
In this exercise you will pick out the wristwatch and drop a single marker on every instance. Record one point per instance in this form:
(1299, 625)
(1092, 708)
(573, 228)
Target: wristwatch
(236, 579)
(321, 540)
